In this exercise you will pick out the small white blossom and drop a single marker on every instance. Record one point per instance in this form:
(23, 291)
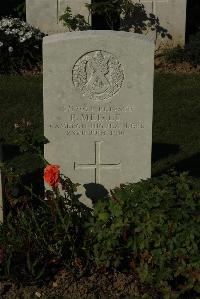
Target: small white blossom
(1, 44)
(14, 30)
(28, 34)
(7, 32)
(10, 49)
(22, 39)
(21, 33)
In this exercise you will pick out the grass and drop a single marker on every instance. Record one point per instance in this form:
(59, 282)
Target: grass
(20, 98)
(176, 126)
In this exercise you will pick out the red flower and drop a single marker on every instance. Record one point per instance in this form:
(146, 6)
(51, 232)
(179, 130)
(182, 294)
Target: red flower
(52, 175)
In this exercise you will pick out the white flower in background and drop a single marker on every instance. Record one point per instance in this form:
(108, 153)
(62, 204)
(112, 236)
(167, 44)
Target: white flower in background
(1, 44)
(10, 49)
(5, 22)
(15, 30)
(22, 39)
(21, 33)
(28, 34)
(7, 32)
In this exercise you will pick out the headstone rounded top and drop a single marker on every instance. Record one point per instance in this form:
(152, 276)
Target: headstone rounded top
(97, 34)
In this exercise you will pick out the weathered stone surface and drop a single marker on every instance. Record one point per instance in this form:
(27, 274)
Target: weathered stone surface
(98, 102)
(45, 14)
(172, 16)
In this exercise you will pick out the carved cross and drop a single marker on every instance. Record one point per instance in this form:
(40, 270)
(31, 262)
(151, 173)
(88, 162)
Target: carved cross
(153, 3)
(97, 166)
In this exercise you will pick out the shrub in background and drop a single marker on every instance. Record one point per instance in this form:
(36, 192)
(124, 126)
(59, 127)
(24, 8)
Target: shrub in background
(20, 46)
(153, 229)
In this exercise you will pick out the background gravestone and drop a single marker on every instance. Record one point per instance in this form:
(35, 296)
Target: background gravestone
(171, 13)
(98, 102)
(45, 14)
(172, 16)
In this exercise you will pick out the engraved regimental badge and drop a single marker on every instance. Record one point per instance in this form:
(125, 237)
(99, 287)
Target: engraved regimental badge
(98, 75)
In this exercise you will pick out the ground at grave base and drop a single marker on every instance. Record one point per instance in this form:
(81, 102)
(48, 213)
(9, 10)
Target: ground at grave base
(162, 65)
(65, 285)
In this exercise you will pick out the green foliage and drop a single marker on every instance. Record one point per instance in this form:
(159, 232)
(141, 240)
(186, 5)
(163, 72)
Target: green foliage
(42, 234)
(20, 46)
(29, 143)
(189, 53)
(153, 229)
(74, 23)
(132, 17)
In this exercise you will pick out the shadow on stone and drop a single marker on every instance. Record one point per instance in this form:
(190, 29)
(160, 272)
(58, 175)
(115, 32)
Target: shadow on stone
(138, 20)
(114, 15)
(95, 192)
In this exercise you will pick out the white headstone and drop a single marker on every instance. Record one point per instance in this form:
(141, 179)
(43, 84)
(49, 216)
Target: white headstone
(172, 16)
(45, 14)
(98, 105)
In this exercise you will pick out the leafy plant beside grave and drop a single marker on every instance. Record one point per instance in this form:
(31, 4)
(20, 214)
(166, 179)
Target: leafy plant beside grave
(132, 17)
(42, 234)
(20, 46)
(153, 229)
(150, 229)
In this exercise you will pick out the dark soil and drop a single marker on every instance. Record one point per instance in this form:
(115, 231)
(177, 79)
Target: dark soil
(162, 65)
(65, 285)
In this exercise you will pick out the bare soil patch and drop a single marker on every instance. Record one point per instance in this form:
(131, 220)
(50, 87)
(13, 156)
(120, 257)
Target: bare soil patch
(162, 65)
(66, 285)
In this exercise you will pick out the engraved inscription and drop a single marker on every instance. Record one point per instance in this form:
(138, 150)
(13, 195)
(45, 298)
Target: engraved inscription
(98, 121)
(98, 75)
(97, 166)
